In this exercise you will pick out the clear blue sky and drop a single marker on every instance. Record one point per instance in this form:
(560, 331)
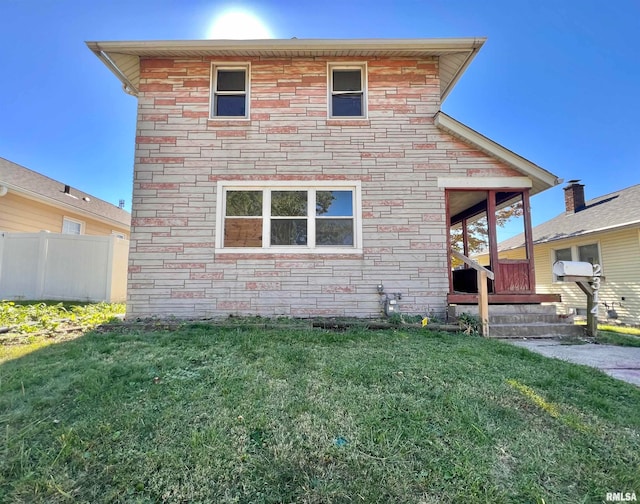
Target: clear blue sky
(558, 81)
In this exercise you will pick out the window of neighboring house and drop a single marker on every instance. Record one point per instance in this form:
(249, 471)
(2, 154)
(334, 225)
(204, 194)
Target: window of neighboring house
(562, 254)
(230, 96)
(347, 88)
(293, 218)
(589, 253)
(71, 226)
(584, 253)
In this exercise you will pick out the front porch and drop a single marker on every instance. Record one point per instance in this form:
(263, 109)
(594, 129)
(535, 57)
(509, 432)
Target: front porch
(475, 218)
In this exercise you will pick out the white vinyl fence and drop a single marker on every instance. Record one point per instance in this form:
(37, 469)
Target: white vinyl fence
(63, 267)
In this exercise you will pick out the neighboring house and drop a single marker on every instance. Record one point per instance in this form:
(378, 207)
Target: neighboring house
(292, 177)
(604, 230)
(31, 202)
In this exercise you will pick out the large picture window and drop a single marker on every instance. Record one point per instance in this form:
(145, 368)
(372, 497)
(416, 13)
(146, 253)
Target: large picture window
(293, 218)
(230, 95)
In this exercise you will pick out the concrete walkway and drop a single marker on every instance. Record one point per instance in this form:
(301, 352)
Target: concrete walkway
(622, 363)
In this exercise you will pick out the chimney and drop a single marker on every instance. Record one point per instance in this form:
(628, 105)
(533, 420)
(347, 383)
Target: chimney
(574, 197)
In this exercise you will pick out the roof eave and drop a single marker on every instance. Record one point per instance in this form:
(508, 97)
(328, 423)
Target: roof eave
(58, 204)
(158, 48)
(542, 179)
(127, 85)
(142, 47)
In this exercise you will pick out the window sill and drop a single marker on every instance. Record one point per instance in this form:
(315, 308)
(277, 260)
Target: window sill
(289, 251)
(228, 121)
(355, 121)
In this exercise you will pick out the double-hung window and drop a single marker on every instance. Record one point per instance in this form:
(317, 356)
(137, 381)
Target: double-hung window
(347, 91)
(297, 217)
(230, 91)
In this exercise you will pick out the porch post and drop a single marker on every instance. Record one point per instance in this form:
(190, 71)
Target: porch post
(493, 239)
(528, 237)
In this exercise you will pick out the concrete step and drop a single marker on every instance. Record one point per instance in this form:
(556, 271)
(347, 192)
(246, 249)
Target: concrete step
(454, 311)
(535, 330)
(526, 318)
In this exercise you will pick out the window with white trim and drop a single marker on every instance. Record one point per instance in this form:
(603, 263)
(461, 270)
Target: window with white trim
(230, 91)
(289, 218)
(71, 226)
(589, 252)
(347, 91)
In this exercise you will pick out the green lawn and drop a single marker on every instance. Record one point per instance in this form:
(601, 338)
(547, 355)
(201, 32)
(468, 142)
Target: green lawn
(618, 335)
(280, 415)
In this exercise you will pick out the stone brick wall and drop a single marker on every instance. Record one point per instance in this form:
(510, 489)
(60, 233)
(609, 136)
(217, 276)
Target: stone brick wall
(397, 154)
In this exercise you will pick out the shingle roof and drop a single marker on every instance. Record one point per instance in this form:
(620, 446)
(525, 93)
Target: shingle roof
(614, 210)
(22, 179)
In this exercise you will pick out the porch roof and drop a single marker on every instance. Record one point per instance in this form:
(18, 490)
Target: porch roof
(541, 179)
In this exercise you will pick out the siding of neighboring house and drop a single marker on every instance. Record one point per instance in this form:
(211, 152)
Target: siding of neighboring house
(620, 258)
(25, 215)
(397, 154)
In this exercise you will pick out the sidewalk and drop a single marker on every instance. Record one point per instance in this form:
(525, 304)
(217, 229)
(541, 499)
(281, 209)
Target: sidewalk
(622, 363)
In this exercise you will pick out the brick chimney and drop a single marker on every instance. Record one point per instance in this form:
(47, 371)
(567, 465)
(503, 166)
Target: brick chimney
(574, 196)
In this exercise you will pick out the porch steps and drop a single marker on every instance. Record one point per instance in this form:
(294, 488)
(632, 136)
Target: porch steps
(522, 321)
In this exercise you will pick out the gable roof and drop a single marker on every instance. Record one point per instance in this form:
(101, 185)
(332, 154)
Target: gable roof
(123, 58)
(612, 211)
(541, 179)
(37, 186)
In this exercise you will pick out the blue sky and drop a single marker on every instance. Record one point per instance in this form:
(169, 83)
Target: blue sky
(557, 80)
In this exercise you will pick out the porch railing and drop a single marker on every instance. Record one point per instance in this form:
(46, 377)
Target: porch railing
(483, 293)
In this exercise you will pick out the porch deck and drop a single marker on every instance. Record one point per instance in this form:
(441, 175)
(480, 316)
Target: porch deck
(470, 298)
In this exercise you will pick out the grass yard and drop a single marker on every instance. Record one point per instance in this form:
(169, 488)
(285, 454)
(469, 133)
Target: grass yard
(618, 335)
(280, 415)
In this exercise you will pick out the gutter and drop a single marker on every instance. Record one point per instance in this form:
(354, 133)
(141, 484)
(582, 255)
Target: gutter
(157, 47)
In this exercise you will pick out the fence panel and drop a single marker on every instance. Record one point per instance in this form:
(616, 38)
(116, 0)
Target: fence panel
(63, 267)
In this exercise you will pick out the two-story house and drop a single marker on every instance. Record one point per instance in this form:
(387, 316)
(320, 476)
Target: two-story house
(294, 177)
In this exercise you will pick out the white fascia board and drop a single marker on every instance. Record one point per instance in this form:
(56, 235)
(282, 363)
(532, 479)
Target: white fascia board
(484, 182)
(149, 47)
(524, 166)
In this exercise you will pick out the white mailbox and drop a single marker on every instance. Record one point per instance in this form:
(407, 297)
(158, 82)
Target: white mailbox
(573, 269)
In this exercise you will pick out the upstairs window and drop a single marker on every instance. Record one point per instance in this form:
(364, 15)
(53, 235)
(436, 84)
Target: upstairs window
(230, 97)
(347, 87)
